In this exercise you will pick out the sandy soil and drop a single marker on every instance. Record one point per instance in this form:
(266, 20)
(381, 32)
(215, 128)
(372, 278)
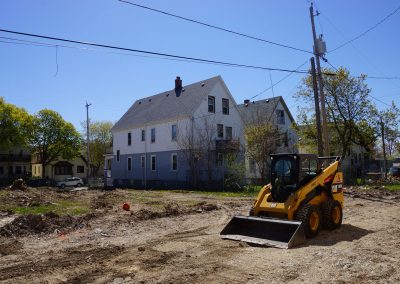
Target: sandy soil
(117, 246)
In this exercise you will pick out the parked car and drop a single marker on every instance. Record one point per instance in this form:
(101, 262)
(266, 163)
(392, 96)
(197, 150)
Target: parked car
(72, 181)
(394, 171)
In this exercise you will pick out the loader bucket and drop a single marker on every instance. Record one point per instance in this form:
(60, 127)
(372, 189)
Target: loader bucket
(264, 231)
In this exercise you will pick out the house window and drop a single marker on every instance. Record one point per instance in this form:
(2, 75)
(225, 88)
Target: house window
(142, 162)
(129, 161)
(129, 139)
(153, 163)
(18, 170)
(63, 170)
(174, 162)
(225, 106)
(153, 135)
(285, 139)
(211, 104)
(1, 171)
(280, 116)
(173, 132)
(220, 130)
(220, 159)
(10, 170)
(143, 135)
(80, 169)
(117, 155)
(228, 133)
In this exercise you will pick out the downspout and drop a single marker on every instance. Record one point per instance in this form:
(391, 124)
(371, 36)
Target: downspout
(145, 157)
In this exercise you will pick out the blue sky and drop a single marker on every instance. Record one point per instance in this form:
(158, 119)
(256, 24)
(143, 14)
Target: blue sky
(112, 82)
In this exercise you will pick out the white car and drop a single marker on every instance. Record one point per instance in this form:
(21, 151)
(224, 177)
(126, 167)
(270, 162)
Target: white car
(72, 181)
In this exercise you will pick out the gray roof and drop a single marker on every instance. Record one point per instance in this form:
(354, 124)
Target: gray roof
(262, 110)
(166, 106)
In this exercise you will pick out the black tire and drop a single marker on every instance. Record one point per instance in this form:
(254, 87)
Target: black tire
(332, 214)
(251, 212)
(79, 185)
(310, 216)
(62, 186)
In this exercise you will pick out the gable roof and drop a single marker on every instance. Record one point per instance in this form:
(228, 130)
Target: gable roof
(264, 107)
(166, 106)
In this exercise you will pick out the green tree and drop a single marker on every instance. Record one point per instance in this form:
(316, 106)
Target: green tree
(262, 140)
(387, 128)
(100, 143)
(15, 124)
(52, 137)
(351, 114)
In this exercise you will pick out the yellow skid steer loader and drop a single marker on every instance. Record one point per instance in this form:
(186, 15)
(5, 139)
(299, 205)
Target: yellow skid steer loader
(305, 194)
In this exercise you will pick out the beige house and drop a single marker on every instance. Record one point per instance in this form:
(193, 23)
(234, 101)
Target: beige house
(60, 169)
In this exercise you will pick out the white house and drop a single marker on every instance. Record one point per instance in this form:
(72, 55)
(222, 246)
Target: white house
(177, 137)
(274, 111)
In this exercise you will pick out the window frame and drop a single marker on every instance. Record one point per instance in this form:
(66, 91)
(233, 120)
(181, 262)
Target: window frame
(129, 164)
(142, 161)
(143, 135)
(280, 116)
(220, 127)
(230, 137)
(212, 98)
(153, 169)
(129, 138)
(172, 162)
(153, 135)
(174, 134)
(80, 167)
(225, 109)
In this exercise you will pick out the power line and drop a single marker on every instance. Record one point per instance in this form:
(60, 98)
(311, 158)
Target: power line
(215, 27)
(368, 30)
(152, 52)
(15, 41)
(273, 85)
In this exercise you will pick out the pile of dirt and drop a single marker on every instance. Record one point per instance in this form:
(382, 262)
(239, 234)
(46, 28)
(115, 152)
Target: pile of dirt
(173, 209)
(9, 246)
(25, 198)
(19, 184)
(108, 199)
(43, 224)
(374, 193)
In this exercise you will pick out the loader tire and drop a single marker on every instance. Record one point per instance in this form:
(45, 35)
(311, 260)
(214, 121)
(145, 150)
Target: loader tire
(332, 214)
(310, 216)
(251, 212)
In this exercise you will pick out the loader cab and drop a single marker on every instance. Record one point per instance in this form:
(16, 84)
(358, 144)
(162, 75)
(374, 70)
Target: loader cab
(290, 172)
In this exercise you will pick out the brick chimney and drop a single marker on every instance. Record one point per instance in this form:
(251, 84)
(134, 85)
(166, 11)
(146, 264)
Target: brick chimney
(178, 86)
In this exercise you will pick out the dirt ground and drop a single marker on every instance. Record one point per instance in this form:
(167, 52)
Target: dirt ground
(173, 237)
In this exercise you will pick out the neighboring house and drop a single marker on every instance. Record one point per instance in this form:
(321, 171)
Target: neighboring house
(14, 163)
(60, 169)
(275, 111)
(178, 138)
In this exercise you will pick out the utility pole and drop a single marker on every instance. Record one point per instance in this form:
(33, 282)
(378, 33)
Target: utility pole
(87, 141)
(317, 53)
(383, 147)
(317, 112)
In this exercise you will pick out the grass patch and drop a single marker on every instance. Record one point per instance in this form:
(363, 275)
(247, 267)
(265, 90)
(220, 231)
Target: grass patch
(60, 208)
(218, 193)
(392, 187)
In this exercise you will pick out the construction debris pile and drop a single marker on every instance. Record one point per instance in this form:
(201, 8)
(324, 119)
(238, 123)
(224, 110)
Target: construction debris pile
(19, 184)
(42, 224)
